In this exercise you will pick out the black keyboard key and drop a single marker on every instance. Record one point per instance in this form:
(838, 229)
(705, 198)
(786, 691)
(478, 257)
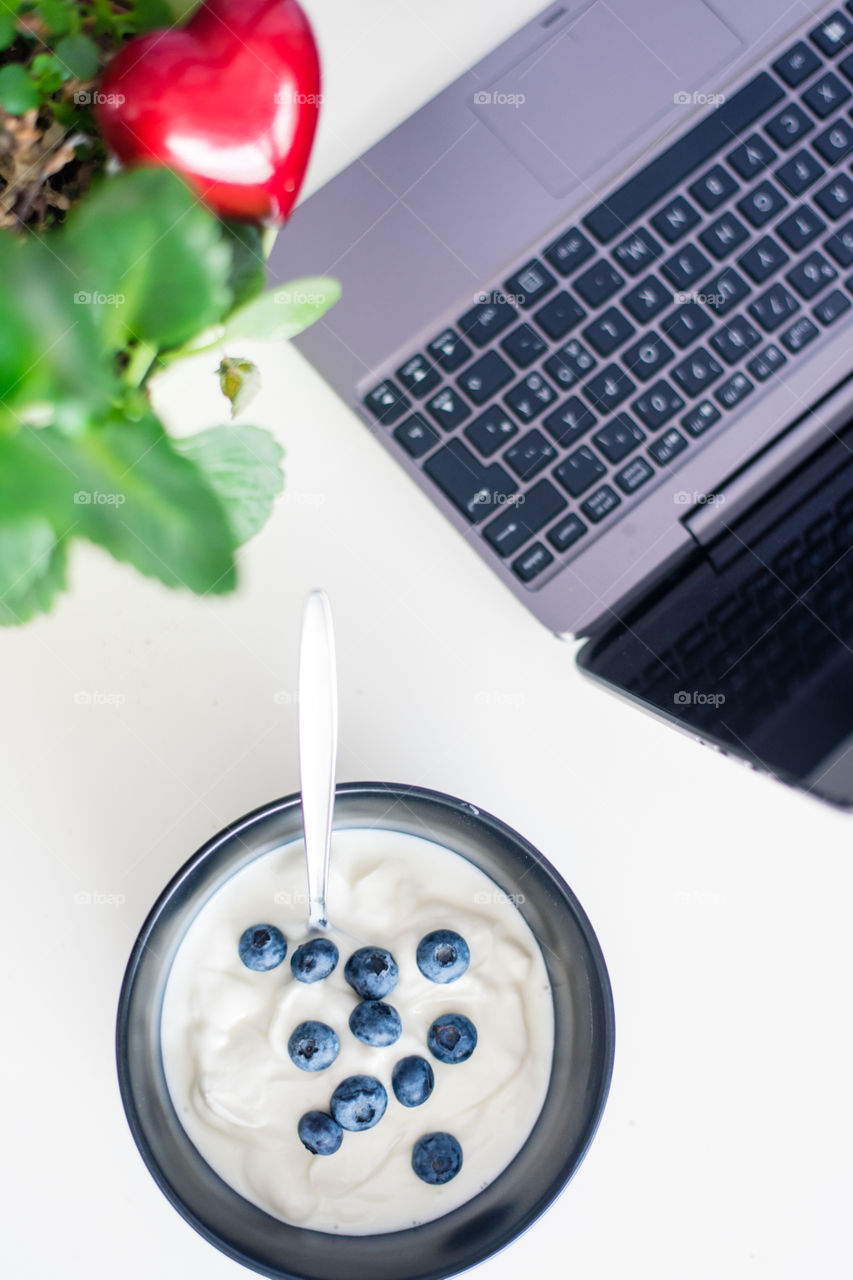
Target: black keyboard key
(632, 476)
(723, 235)
(637, 252)
(568, 423)
(523, 345)
(600, 503)
(532, 562)
(530, 397)
(529, 455)
(840, 245)
(571, 363)
(608, 331)
(559, 316)
(657, 405)
(697, 372)
(416, 436)
(682, 158)
(521, 520)
(491, 430)
(713, 188)
(799, 334)
(687, 323)
(811, 275)
(762, 203)
(387, 402)
(619, 437)
(448, 408)
(566, 533)
(789, 125)
(608, 389)
(800, 172)
(530, 284)
(580, 471)
(773, 307)
(732, 391)
(826, 95)
(797, 64)
(763, 260)
(701, 417)
(487, 319)
(675, 219)
(670, 444)
(599, 282)
(449, 350)
(846, 65)
(835, 142)
(725, 291)
(831, 307)
(418, 376)
(686, 267)
(836, 197)
(752, 156)
(767, 362)
(485, 377)
(647, 299)
(833, 34)
(735, 339)
(570, 251)
(800, 227)
(474, 489)
(645, 357)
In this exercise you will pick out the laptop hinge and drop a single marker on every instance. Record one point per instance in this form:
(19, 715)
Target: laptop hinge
(713, 522)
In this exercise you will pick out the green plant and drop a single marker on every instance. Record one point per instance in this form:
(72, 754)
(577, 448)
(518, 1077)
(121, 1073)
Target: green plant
(104, 280)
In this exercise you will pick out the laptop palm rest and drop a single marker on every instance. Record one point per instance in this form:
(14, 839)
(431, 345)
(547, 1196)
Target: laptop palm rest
(563, 111)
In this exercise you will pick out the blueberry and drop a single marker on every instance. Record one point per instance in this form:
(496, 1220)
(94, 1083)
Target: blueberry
(452, 1038)
(443, 956)
(262, 947)
(359, 1102)
(375, 1023)
(372, 972)
(314, 960)
(436, 1158)
(313, 1046)
(412, 1081)
(320, 1133)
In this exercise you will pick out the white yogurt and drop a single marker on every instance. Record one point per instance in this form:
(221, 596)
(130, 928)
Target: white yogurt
(225, 1030)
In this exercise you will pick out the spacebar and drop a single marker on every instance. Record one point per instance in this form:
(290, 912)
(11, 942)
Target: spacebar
(667, 170)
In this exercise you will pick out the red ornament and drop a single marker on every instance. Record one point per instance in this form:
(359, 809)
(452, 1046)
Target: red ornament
(230, 101)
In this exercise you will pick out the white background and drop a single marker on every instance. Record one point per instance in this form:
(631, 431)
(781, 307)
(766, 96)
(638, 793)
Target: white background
(721, 900)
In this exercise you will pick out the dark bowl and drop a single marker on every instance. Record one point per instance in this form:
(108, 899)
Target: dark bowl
(580, 1077)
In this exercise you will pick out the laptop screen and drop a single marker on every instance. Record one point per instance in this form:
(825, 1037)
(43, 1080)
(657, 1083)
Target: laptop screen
(750, 644)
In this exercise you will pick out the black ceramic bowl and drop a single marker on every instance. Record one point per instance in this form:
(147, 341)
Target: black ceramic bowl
(580, 1077)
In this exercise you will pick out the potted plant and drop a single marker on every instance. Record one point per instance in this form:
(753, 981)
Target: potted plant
(133, 229)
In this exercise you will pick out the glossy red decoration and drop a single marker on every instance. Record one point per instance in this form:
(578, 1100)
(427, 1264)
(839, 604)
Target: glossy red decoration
(230, 101)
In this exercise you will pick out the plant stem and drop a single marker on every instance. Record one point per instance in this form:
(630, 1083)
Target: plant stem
(141, 359)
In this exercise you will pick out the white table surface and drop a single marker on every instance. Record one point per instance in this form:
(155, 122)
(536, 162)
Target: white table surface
(721, 900)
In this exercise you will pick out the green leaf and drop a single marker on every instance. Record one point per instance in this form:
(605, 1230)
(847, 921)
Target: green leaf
(8, 28)
(243, 467)
(283, 312)
(79, 55)
(144, 243)
(49, 72)
(56, 14)
(124, 487)
(248, 268)
(17, 91)
(32, 568)
(239, 381)
(49, 349)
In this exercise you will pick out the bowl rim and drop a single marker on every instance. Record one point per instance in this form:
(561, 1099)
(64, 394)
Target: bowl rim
(396, 791)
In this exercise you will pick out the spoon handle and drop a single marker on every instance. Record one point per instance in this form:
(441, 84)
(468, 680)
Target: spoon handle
(318, 746)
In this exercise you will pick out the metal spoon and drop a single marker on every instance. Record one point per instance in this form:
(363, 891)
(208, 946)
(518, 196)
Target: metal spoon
(318, 747)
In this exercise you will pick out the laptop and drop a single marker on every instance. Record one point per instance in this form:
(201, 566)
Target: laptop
(598, 304)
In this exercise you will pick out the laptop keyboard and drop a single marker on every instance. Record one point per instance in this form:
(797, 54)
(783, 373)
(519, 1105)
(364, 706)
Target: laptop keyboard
(598, 363)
